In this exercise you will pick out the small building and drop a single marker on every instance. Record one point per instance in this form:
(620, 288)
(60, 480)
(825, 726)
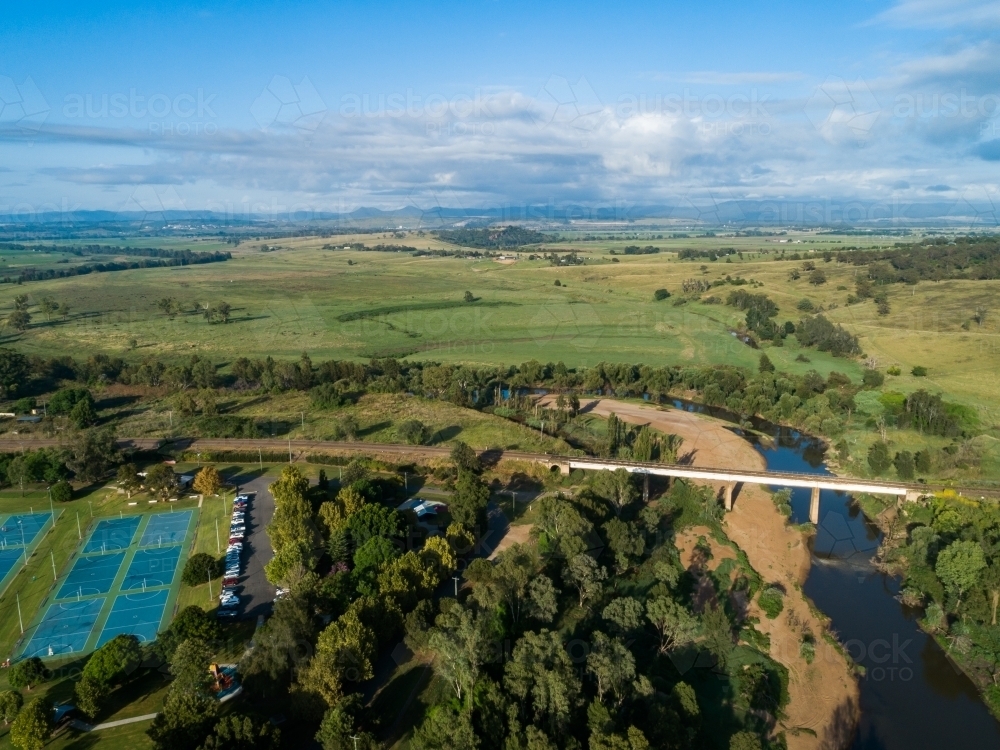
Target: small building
(421, 507)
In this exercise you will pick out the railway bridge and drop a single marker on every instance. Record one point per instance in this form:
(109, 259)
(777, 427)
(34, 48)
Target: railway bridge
(730, 478)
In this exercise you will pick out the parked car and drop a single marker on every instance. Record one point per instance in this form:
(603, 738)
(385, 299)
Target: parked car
(230, 603)
(225, 612)
(230, 580)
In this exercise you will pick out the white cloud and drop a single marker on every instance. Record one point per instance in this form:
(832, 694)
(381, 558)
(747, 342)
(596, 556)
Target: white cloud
(942, 13)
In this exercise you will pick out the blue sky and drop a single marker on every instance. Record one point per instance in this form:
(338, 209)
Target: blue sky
(333, 106)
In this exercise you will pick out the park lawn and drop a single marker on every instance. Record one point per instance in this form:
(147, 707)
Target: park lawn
(393, 702)
(127, 737)
(430, 692)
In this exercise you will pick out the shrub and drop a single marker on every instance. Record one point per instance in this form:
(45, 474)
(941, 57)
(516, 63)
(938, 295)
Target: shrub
(878, 457)
(24, 405)
(808, 649)
(326, 396)
(872, 378)
(904, 464)
(10, 703)
(771, 601)
(660, 294)
(26, 673)
(32, 726)
(819, 332)
(227, 426)
(200, 568)
(919, 371)
(805, 305)
(894, 370)
(62, 491)
(64, 401)
(412, 431)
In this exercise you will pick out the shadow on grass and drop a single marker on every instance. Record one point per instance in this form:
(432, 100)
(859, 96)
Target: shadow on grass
(373, 428)
(445, 434)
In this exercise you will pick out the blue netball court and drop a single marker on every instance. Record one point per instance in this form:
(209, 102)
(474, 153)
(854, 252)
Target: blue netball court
(151, 568)
(91, 575)
(137, 614)
(19, 534)
(65, 628)
(21, 530)
(166, 528)
(112, 534)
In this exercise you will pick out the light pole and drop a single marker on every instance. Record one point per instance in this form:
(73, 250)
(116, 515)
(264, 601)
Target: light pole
(19, 620)
(79, 533)
(355, 741)
(456, 579)
(52, 555)
(218, 544)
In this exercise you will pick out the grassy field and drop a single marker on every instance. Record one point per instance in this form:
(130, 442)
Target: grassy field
(348, 304)
(306, 298)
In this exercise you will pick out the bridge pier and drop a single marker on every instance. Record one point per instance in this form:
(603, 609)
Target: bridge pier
(729, 495)
(814, 507)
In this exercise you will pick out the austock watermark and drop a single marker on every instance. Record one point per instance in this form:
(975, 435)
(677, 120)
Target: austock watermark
(22, 105)
(185, 114)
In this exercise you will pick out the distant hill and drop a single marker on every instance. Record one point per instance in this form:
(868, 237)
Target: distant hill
(493, 238)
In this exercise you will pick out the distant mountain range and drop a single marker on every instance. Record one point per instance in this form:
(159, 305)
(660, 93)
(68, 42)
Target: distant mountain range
(727, 215)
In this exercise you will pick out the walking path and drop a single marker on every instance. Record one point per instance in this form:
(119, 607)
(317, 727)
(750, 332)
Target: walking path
(81, 726)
